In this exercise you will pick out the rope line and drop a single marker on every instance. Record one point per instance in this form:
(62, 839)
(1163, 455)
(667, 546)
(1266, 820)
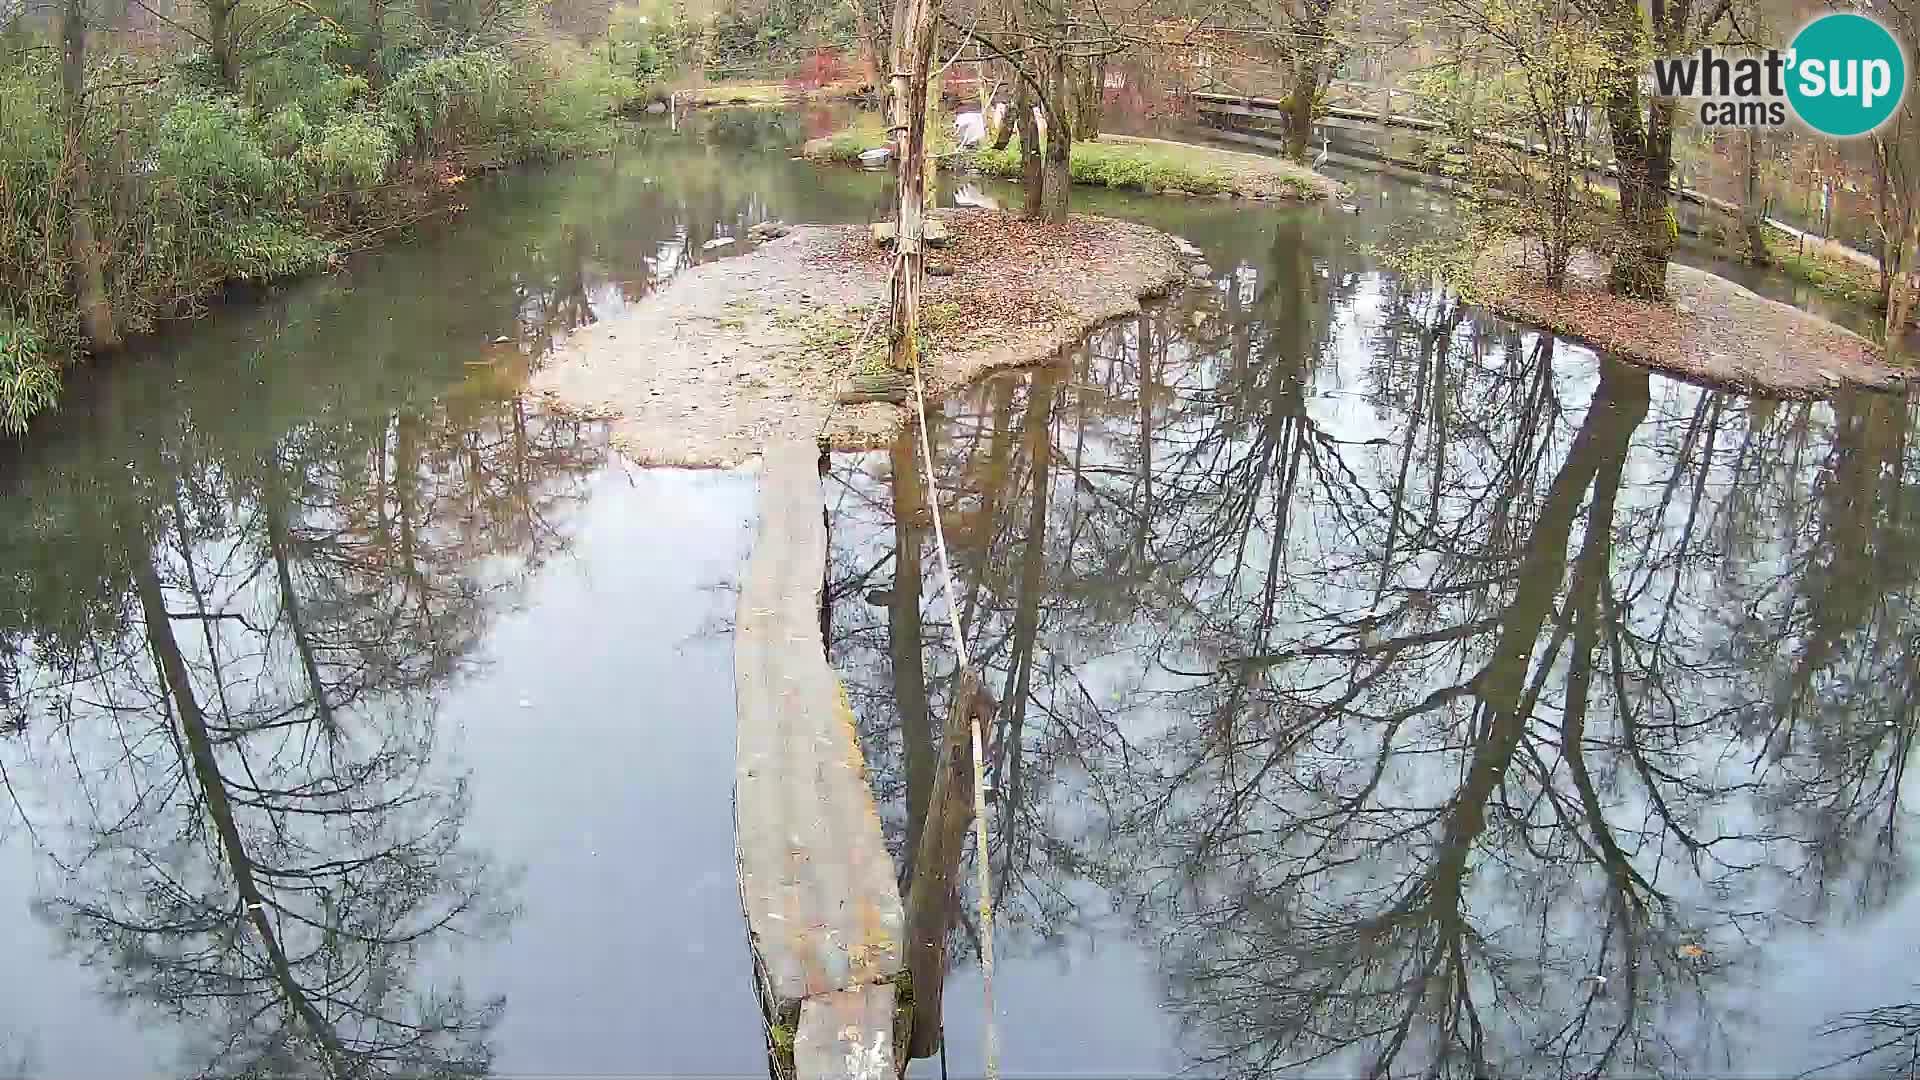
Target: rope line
(983, 878)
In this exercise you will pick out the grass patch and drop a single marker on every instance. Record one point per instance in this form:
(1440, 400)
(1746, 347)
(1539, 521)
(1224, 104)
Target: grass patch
(866, 132)
(846, 145)
(827, 329)
(1842, 279)
(738, 94)
(1153, 165)
(943, 327)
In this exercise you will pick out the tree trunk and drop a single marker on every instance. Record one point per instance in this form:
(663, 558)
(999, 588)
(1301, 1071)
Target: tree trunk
(376, 43)
(1032, 177)
(1003, 131)
(1643, 146)
(872, 29)
(1645, 242)
(1313, 60)
(273, 505)
(89, 273)
(1009, 748)
(930, 180)
(1057, 185)
(936, 864)
(912, 58)
(1896, 154)
(1000, 119)
(1300, 112)
(1753, 211)
(1089, 93)
(220, 39)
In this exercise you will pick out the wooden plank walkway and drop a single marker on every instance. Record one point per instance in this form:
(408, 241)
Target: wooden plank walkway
(823, 910)
(847, 1033)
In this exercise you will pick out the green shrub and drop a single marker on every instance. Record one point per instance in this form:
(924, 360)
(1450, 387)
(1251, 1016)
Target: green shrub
(29, 139)
(1842, 280)
(195, 185)
(267, 247)
(29, 381)
(300, 72)
(644, 44)
(869, 131)
(287, 130)
(571, 98)
(848, 144)
(35, 311)
(209, 145)
(355, 150)
(449, 98)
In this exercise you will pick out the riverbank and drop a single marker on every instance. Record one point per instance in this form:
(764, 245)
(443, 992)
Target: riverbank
(1123, 162)
(736, 354)
(765, 94)
(275, 174)
(1709, 330)
(1161, 167)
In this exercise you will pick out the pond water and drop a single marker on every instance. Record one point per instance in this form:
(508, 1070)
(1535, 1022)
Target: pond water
(1383, 687)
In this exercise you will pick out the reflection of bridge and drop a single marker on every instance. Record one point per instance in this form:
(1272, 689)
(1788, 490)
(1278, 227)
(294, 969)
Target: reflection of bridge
(1261, 122)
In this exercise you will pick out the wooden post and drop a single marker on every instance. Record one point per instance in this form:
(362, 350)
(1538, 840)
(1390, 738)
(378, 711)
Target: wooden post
(931, 898)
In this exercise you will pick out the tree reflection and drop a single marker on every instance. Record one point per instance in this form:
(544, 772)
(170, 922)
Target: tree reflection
(242, 726)
(1443, 700)
(1888, 1038)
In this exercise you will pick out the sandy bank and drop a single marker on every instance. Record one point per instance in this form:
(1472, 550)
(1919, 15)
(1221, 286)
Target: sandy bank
(1710, 330)
(734, 354)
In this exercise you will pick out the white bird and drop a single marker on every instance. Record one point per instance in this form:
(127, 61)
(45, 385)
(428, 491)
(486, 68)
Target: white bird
(1321, 158)
(970, 129)
(971, 195)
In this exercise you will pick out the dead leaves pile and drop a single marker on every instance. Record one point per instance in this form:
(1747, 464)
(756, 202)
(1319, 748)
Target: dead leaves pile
(1007, 272)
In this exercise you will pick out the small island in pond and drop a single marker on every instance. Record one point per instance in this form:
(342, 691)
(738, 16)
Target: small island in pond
(1708, 329)
(734, 355)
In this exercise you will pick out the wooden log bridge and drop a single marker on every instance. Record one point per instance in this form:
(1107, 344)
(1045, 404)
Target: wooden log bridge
(824, 916)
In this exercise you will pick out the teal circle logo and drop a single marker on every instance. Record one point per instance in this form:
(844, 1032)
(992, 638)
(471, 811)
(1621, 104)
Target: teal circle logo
(1846, 74)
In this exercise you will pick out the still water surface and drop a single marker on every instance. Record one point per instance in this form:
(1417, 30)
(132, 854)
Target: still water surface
(1383, 688)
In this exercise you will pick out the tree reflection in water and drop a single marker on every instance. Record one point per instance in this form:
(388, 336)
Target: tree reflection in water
(231, 691)
(241, 575)
(1437, 698)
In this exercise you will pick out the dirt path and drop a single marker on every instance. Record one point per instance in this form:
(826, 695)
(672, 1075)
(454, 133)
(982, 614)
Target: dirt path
(735, 354)
(1710, 330)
